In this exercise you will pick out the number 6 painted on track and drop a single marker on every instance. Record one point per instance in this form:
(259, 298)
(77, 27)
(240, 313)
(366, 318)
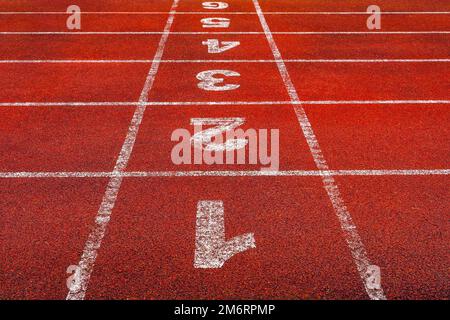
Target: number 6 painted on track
(211, 5)
(210, 83)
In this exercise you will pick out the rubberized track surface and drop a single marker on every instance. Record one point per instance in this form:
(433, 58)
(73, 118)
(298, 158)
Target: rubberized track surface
(86, 176)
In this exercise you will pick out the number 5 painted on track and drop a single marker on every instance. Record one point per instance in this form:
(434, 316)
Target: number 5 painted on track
(211, 249)
(215, 22)
(214, 46)
(210, 83)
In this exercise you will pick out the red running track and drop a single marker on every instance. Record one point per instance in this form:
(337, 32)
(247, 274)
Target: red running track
(366, 115)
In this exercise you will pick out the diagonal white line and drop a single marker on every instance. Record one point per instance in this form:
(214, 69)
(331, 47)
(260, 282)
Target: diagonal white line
(226, 173)
(78, 289)
(351, 235)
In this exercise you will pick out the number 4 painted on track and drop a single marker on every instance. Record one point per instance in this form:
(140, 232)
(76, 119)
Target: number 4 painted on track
(211, 249)
(214, 46)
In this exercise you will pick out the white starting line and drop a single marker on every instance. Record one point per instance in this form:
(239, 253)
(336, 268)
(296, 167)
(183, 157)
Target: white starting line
(288, 173)
(225, 13)
(100, 61)
(218, 103)
(80, 33)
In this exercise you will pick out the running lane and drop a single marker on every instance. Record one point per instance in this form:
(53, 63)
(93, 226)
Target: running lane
(358, 23)
(86, 47)
(61, 138)
(150, 247)
(45, 223)
(300, 251)
(154, 145)
(387, 136)
(353, 5)
(364, 46)
(400, 219)
(404, 223)
(371, 81)
(86, 5)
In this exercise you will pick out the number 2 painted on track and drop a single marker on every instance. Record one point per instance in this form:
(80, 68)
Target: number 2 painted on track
(203, 138)
(211, 83)
(216, 46)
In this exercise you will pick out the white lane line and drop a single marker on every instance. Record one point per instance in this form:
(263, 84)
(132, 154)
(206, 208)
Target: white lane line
(93, 243)
(249, 173)
(80, 33)
(363, 102)
(233, 61)
(224, 13)
(219, 103)
(352, 237)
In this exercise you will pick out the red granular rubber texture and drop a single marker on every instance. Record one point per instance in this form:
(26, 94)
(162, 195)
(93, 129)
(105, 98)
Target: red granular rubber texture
(149, 246)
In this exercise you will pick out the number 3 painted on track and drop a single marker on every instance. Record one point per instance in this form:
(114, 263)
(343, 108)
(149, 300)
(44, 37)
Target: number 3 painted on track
(210, 83)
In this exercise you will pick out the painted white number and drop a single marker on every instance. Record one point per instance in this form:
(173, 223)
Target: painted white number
(211, 249)
(215, 22)
(212, 5)
(214, 46)
(210, 83)
(202, 139)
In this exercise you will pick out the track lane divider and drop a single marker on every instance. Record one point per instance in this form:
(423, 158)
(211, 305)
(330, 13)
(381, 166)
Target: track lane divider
(225, 13)
(79, 287)
(245, 173)
(354, 241)
(100, 61)
(81, 33)
(217, 103)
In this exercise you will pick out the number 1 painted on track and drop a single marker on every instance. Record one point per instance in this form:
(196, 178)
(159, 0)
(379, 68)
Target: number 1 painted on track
(211, 249)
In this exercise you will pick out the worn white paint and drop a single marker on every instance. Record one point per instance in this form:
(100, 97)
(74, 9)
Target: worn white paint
(202, 138)
(215, 46)
(214, 5)
(247, 173)
(222, 103)
(210, 81)
(226, 12)
(211, 248)
(81, 33)
(214, 49)
(215, 22)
